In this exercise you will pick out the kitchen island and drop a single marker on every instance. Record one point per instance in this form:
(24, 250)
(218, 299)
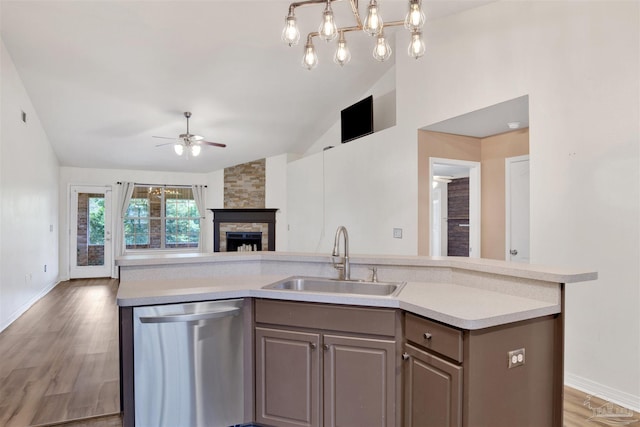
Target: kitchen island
(452, 329)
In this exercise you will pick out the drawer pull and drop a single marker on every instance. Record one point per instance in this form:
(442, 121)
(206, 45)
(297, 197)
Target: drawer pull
(405, 356)
(427, 335)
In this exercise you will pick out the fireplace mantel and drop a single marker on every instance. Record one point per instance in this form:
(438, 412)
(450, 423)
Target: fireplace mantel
(262, 216)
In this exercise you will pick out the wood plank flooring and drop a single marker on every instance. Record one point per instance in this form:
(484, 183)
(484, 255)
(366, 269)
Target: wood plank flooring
(59, 360)
(59, 364)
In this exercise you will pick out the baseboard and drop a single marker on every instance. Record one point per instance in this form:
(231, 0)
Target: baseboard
(20, 311)
(602, 391)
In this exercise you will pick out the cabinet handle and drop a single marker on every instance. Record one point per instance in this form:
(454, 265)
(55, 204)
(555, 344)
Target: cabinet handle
(427, 335)
(312, 345)
(326, 347)
(405, 356)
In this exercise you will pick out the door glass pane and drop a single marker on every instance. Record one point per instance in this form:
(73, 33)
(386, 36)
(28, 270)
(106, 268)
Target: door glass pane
(90, 232)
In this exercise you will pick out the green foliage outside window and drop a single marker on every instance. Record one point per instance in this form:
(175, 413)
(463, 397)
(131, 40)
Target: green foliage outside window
(96, 220)
(162, 217)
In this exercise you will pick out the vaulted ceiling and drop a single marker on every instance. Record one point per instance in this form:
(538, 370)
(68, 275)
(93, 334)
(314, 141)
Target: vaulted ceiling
(105, 77)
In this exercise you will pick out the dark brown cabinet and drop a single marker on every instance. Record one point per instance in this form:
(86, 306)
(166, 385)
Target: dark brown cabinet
(432, 390)
(463, 378)
(287, 377)
(342, 373)
(432, 385)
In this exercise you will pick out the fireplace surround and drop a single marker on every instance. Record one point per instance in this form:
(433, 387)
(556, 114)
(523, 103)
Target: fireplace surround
(245, 216)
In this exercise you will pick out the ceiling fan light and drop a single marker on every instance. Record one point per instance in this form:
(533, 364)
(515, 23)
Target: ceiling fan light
(178, 148)
(195, 150)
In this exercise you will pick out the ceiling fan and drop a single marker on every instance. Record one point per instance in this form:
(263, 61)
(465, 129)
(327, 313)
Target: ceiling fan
(188, 142)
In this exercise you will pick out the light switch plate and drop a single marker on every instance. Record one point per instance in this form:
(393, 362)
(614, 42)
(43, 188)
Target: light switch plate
(397, 233)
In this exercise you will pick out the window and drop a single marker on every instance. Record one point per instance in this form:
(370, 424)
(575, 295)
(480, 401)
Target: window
(162, 217)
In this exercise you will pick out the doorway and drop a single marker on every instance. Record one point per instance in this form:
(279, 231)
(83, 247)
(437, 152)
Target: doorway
(90, 232)
(455, 207)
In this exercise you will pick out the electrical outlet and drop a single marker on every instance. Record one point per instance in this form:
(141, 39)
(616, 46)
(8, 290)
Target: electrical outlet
(516, 358)
(397, 233)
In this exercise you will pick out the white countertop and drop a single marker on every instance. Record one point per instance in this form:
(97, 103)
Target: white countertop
(519, 270)
(460, 306)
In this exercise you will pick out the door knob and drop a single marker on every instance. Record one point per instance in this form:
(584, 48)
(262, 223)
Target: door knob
(405, 356)
(513, 252)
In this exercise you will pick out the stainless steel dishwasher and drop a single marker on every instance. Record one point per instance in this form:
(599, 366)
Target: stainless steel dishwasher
(188, 364)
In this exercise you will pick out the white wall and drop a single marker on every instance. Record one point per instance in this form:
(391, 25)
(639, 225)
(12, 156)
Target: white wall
(384, 112)
(579, 62)
(28, 200)
(276, 196)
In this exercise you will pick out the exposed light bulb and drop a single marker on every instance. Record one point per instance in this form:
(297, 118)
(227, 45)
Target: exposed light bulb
(416, 46)
(328, 30)
(415, 17)
(342, 55)
(178, 148)
(195, 150)
(310, 58)
(382, 50)
(373, 22)
(290, 33)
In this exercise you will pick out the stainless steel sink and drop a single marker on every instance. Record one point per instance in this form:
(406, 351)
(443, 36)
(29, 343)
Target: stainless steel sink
(334, 286)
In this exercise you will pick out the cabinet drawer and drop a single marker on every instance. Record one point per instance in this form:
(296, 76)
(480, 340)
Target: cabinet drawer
(434, 336)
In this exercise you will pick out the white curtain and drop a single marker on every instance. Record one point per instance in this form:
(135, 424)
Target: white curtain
(199, 198)
(126, 190)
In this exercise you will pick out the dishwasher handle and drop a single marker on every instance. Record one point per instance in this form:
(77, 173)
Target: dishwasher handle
(175, 318)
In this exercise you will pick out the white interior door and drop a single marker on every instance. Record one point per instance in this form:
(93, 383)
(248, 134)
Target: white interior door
(517, 204)
(90, 232)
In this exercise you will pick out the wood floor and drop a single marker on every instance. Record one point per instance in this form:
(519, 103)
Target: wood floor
(59, 364)
(59, 360)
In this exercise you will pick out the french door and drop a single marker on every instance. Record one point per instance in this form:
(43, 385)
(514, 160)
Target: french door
(90, 232)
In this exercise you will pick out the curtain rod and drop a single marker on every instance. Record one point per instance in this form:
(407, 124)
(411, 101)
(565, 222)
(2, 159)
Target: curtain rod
(159, 185)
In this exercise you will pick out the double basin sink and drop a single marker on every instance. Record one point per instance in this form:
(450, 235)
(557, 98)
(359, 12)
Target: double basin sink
(335, 286)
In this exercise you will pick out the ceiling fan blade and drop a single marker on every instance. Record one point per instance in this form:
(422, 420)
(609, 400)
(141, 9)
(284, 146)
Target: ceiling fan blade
(214, 144)
(163, 137)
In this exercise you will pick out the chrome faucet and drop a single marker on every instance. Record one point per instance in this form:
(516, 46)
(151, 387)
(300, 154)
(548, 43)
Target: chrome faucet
(343, 267)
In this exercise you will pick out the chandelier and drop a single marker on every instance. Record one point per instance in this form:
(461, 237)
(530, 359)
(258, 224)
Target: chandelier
(373, 25)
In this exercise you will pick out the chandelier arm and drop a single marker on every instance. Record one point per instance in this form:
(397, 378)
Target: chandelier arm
(356, 12)
(293, 6)
(356, 28)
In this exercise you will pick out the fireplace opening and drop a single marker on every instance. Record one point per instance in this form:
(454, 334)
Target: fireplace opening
(246, 240)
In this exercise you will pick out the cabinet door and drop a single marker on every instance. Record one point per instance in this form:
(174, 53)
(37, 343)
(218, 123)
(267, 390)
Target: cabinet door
(432, 390)
(287, 378)
(359, 382)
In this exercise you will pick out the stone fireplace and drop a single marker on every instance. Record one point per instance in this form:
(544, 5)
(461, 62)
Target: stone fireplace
(243, 221)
